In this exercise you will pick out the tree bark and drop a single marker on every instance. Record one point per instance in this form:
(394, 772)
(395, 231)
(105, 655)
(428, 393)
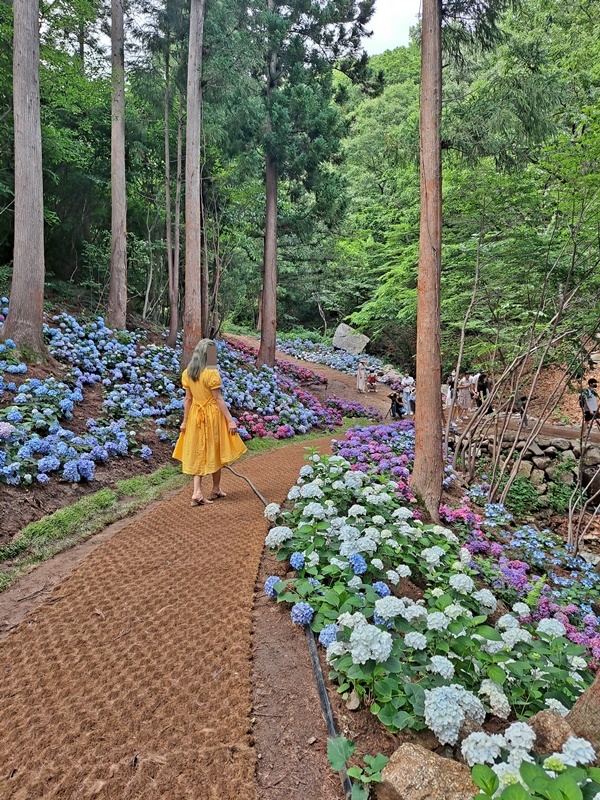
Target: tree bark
(192, 318)
(428, 472)
(172, 336)
(174, 297)
(204, 280)
(584, 717)
(117, 295)
(25, 319)
(268, 310)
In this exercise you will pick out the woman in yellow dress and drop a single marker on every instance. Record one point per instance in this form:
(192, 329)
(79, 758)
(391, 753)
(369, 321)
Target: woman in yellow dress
(209, 437)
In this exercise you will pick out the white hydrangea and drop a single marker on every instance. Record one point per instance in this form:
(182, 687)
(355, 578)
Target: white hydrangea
(577, 751)
(353, 480)
(519, 736)
(440, 665)
(347, 620)
(372, 533)
(379, 499)
(336, 649)
(355, 582)
(437, 592)
(513, 636)
(481, 748)
(385, 533)
(432, 555)
(577, 662)
(392, 577)
(377, 563)
(365, 545)
(414, 613)
(306, 471)
(357, 511)
(294, 493)
(312, 560)
(272, 511)
(507, 776)
(314, 511)
(389, 607)
(556, 706)
(447, 707)
(521, 609)
(415, 640)
(311, 491)
(449, 536)
(403, 571)
(369, 642)
(507, 621)
(277, 536)
(551, 627)
(464, 556)
(437, 621)
(455, 610)
(393, 543)
(498, 701)
(517, 756)
(378, 520)
(402, 513)
(462, 583)
(489, 646)
(487, 602)
(338, 562)
(338, 485)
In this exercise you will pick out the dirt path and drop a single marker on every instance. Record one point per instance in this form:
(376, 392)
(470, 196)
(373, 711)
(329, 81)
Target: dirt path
(132, 680)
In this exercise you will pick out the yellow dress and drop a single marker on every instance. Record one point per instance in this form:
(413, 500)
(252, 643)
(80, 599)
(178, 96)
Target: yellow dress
(206, 444)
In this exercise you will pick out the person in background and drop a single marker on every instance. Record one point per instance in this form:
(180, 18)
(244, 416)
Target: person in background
(361, 376)
(395, 406)
(209, 437)
(464, 401)
(588, 401)
(372, 382)
(521, 406)
(407, 383)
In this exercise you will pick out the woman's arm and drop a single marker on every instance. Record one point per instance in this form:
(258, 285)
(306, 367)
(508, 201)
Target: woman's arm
(224, 410)
(187, 404)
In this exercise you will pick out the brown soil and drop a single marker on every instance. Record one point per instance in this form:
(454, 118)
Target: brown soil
(133, 678)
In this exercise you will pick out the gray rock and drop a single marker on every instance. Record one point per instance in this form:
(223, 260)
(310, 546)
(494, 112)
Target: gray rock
(561, 444)
(535, 449)
(543, 462)
(591, 457)
(591, 480)
(568, 455)
(537, 476)
(346, 338)
(563, 477)
(414, 773)
(543, 501)
(525, 468)
(550, 450)
(591, 558)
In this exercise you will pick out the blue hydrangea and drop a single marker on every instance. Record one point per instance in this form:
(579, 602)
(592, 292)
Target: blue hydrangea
(270, 585)
(302, 613)
(145, 452)
(86, 468)
(382, 589)
(328, 634)
(42, 478)
(70, 472)
(297, 560)
(48, 464)
(358, 563)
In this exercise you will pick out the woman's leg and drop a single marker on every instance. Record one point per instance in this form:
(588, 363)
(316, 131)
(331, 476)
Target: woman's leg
(216, 489)
(197, 493)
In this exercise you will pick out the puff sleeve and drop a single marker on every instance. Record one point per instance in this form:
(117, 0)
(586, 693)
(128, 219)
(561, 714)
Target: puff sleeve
(213, 379)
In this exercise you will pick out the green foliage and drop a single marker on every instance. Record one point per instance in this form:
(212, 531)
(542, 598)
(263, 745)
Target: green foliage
(571, 783)
(522, 497)
(340, 750)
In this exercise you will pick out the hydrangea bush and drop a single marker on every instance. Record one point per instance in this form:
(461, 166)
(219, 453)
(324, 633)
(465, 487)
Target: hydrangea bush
(141, 384)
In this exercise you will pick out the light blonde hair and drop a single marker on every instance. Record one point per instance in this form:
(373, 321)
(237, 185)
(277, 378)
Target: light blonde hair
(198, 359)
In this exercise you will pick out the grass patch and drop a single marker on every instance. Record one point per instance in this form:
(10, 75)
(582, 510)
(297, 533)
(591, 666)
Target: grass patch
(68, 526)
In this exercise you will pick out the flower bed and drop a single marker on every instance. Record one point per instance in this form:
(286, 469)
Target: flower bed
(433, 653)
(140, 382)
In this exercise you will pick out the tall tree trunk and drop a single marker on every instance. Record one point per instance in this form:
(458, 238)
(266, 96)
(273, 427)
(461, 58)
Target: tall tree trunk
(25, 319)
(268, 311)
(584, 717)
(192, 318)
(268, 302)
(205, 303)
(117, 295)
(174, 298)
(172, 337)
(428, 472)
